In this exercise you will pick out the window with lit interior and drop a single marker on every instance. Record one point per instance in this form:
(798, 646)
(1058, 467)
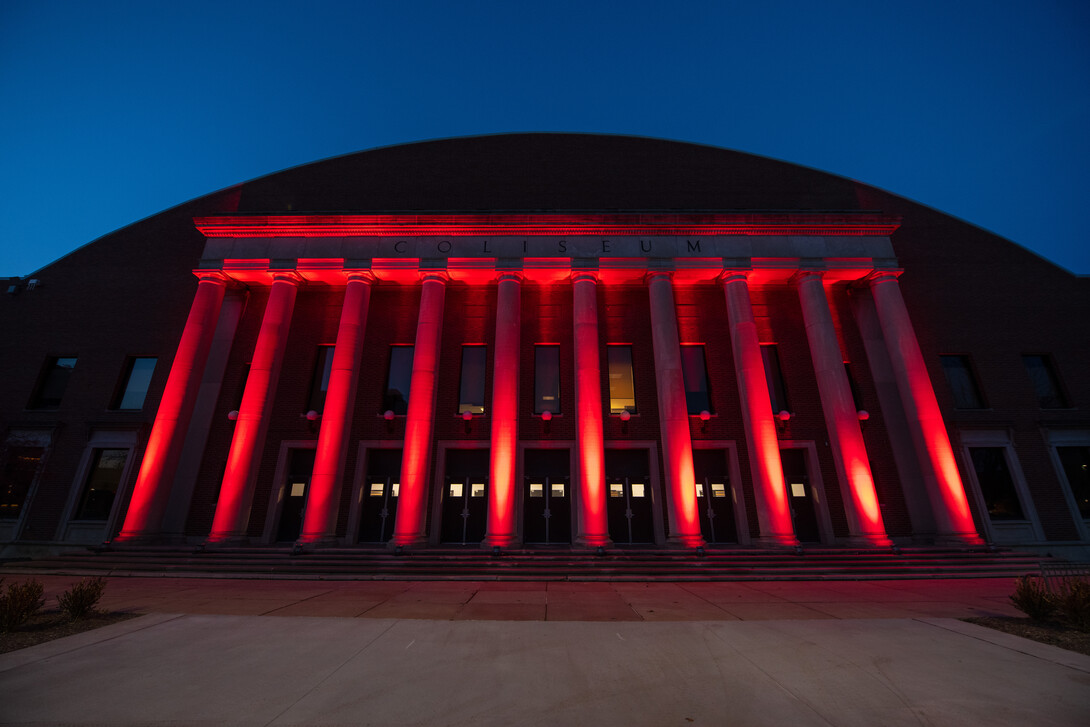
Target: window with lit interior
(622, 388)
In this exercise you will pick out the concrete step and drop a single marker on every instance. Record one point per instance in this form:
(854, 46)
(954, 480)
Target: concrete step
(473, 563)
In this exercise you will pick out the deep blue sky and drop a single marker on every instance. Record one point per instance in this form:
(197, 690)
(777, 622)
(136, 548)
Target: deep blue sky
(113, 111)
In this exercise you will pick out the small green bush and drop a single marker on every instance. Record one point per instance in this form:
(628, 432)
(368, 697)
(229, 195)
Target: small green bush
(19, 603)
(1073, 602)
(1032, 598)
(80, 600)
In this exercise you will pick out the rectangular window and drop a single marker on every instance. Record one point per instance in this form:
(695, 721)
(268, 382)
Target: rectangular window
(400, 373)
(695, 373)
(137, 379)
(102, 483)
(471, 392)
(622, 389)
(1076, 464)
(996, 484)
(1045, 382)
(777, 390)
(319, 384)
(19, 472)
(53, 382)
(547, 379)
(959, 374)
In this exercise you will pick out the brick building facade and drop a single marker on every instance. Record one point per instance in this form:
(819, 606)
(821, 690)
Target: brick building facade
(547, 340)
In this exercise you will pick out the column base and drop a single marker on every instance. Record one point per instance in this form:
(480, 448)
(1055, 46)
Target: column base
(226, 540)
(407, 542)
(959, 539)
(126, 539)
(592, 541)
(868, 541)
(500, 541)
(685, 541)
(317, 541)
(776, 541)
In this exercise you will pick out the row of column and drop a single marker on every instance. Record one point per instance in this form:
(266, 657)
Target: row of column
(865, 523)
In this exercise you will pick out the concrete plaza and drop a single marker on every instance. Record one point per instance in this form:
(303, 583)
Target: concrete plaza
(278, 652)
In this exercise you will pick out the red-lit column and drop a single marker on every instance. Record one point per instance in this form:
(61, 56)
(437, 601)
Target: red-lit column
(144, 517)
(769, 489)
(502, 531)
(413, 501)
(592, 523)
(865, 523)
(953, 521)
(323, 494)
(677, 444)
(236, 493)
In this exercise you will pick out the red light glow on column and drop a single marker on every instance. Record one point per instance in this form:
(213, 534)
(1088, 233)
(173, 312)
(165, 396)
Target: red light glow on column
(934, 452)
(677, 445)
(233, 508)
(505, 401)
(841, 418)
(593, 525)
(412, 501)
(769, 489)
(323, 494)
(151, 492)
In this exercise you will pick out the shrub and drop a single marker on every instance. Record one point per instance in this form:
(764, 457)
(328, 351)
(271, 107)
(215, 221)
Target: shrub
(1073, 602)
(19, 603)
(80, 600)
(1032, 598)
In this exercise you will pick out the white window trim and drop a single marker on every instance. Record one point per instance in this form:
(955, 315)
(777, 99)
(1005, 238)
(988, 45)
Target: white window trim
(70, 527)
(1068, 438)
(1002, 439)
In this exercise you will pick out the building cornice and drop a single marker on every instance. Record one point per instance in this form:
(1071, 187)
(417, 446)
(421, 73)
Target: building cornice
(459, 225)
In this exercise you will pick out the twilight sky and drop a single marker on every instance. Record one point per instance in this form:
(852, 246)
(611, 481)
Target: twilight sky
(114, 111)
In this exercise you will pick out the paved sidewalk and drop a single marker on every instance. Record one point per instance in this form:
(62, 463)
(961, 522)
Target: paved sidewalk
(555, 600)
(220, 652)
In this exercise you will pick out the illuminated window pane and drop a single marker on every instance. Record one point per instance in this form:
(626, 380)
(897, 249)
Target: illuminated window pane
(137, 379)
(996, 484)
(319, 385)
(476, 489)
(1076, 465)
(471, 397)
(53, 382)
(637, 489)
(298, 489)
(622, 390)
(959, 375)
(394, 487)
(1045, 383)
(547, 379)
(777, 392)
(398, 377)
(377, 488)
(455, 489)
(695, 374)
(102, 483)
(700, 489)
(557, 489)
(719, 490)
(20, 469)
(616, 489)
(798, 489)
(537, 489)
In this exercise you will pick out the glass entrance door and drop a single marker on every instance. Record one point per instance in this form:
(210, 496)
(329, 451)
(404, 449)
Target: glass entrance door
(546, 497)
(300, 467)
(628, 498)
(378, 508)
(713, 496)
(800, 495)
(465, 496)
